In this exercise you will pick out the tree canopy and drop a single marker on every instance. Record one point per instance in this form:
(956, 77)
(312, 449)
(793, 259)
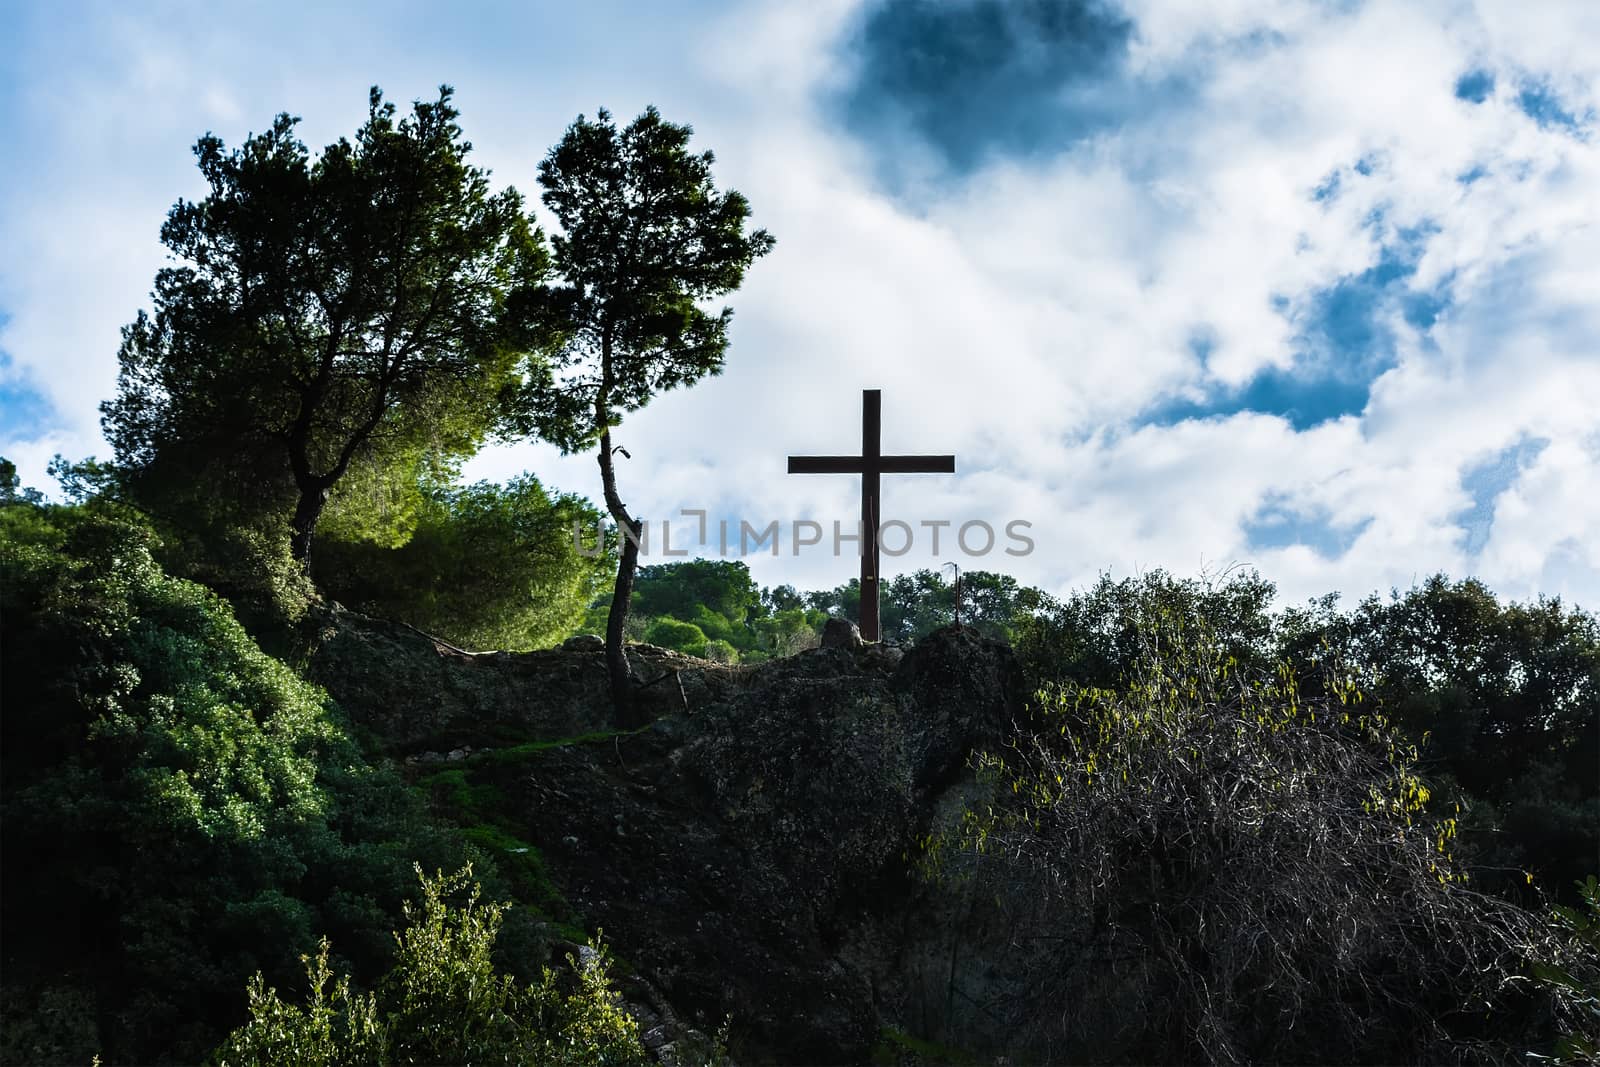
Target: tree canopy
(644, 237)
(373, 301)
(484, 566)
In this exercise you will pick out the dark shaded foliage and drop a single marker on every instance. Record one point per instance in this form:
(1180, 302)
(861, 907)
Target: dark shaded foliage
(180, 809)
(1204, 863)
(1503, 701)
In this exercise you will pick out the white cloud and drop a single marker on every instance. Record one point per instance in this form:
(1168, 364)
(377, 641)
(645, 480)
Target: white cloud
(1023, 319)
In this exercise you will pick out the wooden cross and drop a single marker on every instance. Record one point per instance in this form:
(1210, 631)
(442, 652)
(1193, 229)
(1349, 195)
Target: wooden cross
(870, 465)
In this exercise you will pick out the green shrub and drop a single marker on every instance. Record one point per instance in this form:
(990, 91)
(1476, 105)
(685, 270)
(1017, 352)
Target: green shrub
(683, 637)
(181, 809)
(484, 566)
(443, 1002)
(722, 588)
(1575, 972)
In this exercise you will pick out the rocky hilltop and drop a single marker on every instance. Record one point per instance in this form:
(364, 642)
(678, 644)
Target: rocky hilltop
(749, 854)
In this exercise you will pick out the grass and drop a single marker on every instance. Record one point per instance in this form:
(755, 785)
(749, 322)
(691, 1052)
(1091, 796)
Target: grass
(897, 1047)
(514, 754)
(479, 807)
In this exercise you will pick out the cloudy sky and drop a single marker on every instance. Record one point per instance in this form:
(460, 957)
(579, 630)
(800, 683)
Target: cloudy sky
(1312, 287)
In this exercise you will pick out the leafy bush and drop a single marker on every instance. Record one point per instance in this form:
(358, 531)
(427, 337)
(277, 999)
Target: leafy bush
(790, 630)
(485, 566)
(1508, 698)
(1096, 637)
(1577, 973)
(181, 810)
(683, 637)
(719, 587)
(1503, 701)
(443, 1002)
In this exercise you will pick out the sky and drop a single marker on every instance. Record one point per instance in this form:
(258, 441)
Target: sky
(1311, 288)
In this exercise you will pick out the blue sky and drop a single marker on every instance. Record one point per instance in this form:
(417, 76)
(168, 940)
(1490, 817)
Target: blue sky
(1309, 287)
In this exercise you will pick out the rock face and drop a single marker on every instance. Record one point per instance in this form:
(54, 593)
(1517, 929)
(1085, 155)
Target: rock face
(750, 853)
(414, 692)
(841, 633)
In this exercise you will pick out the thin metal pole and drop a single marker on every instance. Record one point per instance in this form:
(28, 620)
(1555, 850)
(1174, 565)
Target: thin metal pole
(957, 567)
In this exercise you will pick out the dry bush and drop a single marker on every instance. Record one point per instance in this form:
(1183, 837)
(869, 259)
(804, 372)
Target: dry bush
(1204, 866)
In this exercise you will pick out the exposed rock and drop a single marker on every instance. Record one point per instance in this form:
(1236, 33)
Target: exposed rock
(414, 692)
(841, 633)
(768, 834)
(749, 856)
(584, 643)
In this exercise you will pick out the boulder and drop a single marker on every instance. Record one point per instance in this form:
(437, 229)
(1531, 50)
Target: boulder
(841, 633)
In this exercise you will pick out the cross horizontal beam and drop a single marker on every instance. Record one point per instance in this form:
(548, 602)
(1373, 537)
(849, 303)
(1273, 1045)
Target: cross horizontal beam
(881, 464)
(871, 464)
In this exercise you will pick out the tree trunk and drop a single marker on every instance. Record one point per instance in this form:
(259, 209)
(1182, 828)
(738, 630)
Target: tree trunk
(306, 514)
(616, 659)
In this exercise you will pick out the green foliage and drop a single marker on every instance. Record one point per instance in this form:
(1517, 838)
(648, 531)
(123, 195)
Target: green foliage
(895, 1047)
(1095, 637)
(353, 309)
(443, 1002)
(914, 605)
(84, 480)
(785, 632)
(644, 238)
(336, 1026)
(721, 588)
(473, 794)
(48, 1024)
(720, 599)
(1576, 972)
(1508, 698)
(380, 502)
(12, 490)
(683, 637)
(484, 567)
(1503, 701)
(180, 809)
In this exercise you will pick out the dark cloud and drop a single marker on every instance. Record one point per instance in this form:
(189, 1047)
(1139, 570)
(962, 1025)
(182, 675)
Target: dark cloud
(971, 79)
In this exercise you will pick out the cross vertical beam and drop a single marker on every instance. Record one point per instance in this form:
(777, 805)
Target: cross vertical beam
(871, 464)
(871, 511)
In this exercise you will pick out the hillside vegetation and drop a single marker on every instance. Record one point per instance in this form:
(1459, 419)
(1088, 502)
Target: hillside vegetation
(310, 753)
(182, 812)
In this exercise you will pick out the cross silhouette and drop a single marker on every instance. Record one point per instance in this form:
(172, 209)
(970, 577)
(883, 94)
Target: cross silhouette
(870, 465)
